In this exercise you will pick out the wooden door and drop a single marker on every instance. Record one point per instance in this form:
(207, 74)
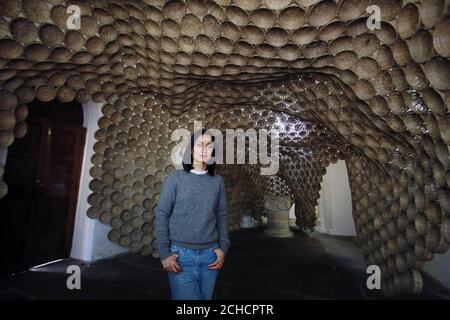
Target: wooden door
(42, 172)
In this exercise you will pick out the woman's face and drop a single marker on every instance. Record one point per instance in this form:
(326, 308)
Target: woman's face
(203, 148)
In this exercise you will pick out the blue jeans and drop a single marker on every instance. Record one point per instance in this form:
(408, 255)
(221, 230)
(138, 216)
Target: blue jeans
(195, 281)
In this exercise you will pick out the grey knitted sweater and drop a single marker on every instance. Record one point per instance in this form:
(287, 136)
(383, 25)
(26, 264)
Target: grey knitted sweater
(191, 212)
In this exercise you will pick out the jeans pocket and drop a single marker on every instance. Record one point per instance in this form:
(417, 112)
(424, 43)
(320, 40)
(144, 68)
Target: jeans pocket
(175, 249)
(214, 248)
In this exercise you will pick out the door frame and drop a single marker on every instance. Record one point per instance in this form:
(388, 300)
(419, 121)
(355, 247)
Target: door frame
(73, 200)
(78, 161)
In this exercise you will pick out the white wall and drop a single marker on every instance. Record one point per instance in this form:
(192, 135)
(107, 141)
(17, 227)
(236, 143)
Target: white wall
(335, 202)
(90, 241)
(292, 216)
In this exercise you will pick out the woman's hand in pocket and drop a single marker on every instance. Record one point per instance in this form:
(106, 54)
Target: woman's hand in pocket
(170, 264)
(216, 265)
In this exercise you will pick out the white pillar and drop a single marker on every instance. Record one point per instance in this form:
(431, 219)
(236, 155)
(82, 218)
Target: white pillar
(90, 240)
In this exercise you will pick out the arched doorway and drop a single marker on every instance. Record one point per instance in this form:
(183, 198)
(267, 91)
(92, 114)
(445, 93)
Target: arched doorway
(335, 211)
(42, 171)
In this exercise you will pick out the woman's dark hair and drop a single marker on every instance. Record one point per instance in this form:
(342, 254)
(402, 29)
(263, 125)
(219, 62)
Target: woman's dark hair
(188, 156)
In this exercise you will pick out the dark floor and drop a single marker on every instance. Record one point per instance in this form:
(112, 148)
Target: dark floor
(307, 266)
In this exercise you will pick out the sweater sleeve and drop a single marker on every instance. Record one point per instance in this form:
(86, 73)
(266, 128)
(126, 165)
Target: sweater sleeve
(222, 218)
(163, 212)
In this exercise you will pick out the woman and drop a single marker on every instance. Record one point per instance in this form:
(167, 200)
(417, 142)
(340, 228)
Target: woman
(191, 222)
